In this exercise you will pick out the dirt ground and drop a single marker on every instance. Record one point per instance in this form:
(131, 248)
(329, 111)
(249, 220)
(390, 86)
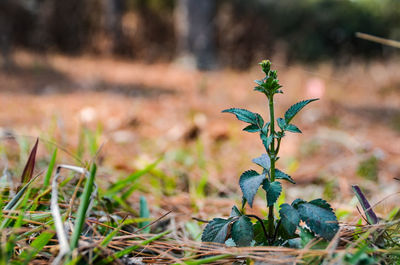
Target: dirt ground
(148, 111)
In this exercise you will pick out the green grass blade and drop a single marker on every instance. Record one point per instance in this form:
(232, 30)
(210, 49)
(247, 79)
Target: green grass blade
(121, 184)
(128, 250)
(37, 245)
(50, 169)
(83, 206)
(18, 196)
(144, 213)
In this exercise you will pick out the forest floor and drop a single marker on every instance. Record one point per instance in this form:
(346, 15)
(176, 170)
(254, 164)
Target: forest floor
(141, 112)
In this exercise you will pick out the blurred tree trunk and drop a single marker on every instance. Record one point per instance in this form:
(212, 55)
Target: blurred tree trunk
(113, 11)
(195, 33)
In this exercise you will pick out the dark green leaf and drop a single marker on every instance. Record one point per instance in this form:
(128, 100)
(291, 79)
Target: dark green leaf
(273, 190)
(294, 109)
(252, 128)
(263, 161)
(290, 218)
(249, 182)
(280, 175)
(282, 124)
(266, 140)
(259, 235)
(30, 165)
(297, 202)
(321, 203)
(242, 231)
(319, 219)
(216, 231)
(293, 128)
(246, 116)
(235, 212)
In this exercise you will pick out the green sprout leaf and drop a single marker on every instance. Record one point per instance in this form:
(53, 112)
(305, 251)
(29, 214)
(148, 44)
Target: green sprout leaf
(273, 190)
(247, 116)
(249, 182)
(267, 140)
(235, 212)
(280, 175)
(294, 109)
(242, 231)
(263, 161)
(320, 220)
(217, 230)
(282, 124)
(252, 128)
(292, 128)
(290, 218)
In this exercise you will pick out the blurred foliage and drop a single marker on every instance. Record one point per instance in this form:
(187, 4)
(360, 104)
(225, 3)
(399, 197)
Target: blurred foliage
(311, 29)
(369, 168)
(246, 30)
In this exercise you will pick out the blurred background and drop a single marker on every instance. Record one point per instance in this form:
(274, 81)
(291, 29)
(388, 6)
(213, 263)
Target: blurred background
(147, 79)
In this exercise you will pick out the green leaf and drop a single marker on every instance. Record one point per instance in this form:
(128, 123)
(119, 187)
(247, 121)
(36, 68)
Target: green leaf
(267, 140)
(242, 231)
(297, 202)
(280, 175)
(290, 218)
(273, 190)
(321, 203)
(292, 128)
(282, 124)
(252, 128)
(294, 109)
(319, 219)
(235, 212)
(249, 182)
(247, 116)
(263, 161)
(217, 230)
(259, 235)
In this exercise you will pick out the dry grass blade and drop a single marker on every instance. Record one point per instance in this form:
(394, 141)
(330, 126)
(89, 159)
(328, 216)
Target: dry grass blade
(55, 211)
(388, 42)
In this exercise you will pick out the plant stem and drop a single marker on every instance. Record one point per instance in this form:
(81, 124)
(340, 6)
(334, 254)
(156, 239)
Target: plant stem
(272, 156)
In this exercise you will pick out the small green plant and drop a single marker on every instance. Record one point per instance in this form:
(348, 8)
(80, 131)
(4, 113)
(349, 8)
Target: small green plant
(317, 215)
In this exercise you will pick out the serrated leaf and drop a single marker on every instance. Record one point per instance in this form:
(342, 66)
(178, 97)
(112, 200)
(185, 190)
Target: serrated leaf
(235, 212)
(280, 175)
(252, 128)
(273, 190)
(290, 218)
(242, 231)
(246, 116)
(282, 124)
(321, 203)
(263, 161)
(249, 183)
(292, 128)
(216, 231)
(294, 109)
(320, 220)
(266, 140)
(297, 202)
